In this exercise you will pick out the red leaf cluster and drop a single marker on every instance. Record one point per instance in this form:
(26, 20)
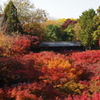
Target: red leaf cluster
(23, 44)
(68, 22)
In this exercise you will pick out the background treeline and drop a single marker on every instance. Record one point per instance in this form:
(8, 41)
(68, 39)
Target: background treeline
(85, 29)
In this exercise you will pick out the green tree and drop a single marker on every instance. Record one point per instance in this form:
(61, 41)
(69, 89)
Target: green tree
(10, 21)
(52, 33)
(70, 33)
(76, 31)
(87, 24)
(96, 34)
(64, 36)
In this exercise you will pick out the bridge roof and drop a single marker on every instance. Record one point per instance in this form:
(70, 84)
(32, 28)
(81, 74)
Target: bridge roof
(59, 44)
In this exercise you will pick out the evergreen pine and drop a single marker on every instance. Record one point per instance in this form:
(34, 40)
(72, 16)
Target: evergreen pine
(10, 23)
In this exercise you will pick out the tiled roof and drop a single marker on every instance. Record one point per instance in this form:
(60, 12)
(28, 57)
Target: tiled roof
(56, 44)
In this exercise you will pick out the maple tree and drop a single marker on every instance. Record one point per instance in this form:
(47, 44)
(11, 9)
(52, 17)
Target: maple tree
(68, 22)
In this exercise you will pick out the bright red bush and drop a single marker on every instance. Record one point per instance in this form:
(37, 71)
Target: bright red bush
(24, 44)
(95, 96)
(34, 91)
(15, 70)
(52, 76)
(89, 61)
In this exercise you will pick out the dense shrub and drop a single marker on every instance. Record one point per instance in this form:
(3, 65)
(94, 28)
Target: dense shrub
(34, 91)
(73, 87)
(15, 70)
(59, 71)
(6, 42)
(8, 67)
(89, 61)
(17, 44)
(34, 29)
(94, 84)
(51, 76)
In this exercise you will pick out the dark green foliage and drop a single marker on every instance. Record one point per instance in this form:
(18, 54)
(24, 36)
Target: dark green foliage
(65, 36)
(53, 33)
(96, 34)
(87, 24)
(68, 33)
(10, 21)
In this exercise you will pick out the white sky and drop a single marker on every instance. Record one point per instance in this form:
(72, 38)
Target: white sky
(64, 8)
